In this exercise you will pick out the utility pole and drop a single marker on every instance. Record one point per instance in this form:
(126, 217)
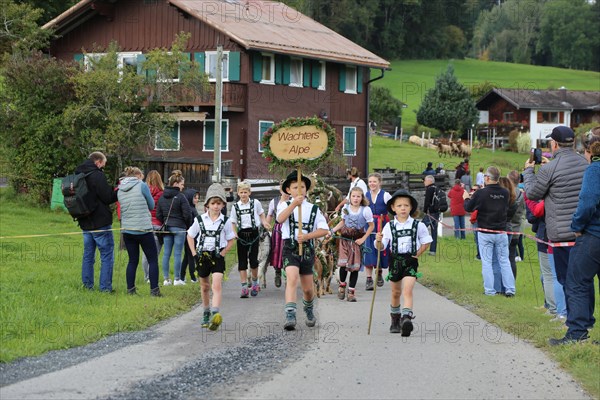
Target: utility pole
(218, 115)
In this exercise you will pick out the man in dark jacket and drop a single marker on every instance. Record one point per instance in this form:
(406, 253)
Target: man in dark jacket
(97, 227)
(491, 204)
(558, 183)
(432, 215)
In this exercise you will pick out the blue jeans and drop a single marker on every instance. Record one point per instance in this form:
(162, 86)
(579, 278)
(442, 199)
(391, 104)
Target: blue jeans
(559, 293)
(495, 247)
(584, 265)
(459, 223)
(105, 243)
(433, 223)
(173, 243)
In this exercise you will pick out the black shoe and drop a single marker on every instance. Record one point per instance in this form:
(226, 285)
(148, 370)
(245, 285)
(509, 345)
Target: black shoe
(278, 278)
(406, 324)
(290, 321)
(379, 280)
(132, 291)
(369, 285)
(566, 340)
(509, 295)
(155, 292)
(395, 327)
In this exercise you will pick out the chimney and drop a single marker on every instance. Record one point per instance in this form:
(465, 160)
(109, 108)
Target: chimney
(563, 93)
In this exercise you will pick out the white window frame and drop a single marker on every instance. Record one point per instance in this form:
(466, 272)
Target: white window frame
(207, 65)
(260, 134)
(214, 144)
(351, 70)
(322, 85)
(301, 75)
(86, 59)
(344, 141)
(159, 79)
(178, 140)
(120, 57)
(271, 67)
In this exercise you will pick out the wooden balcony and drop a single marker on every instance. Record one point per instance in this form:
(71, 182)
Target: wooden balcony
(234, 96)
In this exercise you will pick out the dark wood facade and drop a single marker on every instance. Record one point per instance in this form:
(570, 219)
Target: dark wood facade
(140, 26)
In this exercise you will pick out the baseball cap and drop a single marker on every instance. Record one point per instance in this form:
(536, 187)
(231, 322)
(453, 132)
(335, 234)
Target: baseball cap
(562, 134)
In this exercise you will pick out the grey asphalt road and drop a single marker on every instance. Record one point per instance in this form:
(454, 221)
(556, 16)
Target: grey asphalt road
(452, 354)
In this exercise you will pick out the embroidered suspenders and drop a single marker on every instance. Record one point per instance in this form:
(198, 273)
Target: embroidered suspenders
(294, 224)
(204, 233)
(245, 211)
(398, 233)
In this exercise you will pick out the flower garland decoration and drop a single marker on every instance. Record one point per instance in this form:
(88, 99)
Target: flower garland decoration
(275, 162)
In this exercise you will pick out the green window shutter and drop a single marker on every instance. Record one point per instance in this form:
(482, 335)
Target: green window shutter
(200, 59)
(342, 78)
(278, 69)
(184, 66)
(349, 141)
(286, 70)
(306, 73)
(170, 140)
(141, 59)
(359, 79)
(262, 129)
(256, 67)
(234, 66)
(78, 58)
(316, 74)
(209, 135)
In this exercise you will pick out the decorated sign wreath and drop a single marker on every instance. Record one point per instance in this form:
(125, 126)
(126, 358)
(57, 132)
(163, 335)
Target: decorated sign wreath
(298, 142)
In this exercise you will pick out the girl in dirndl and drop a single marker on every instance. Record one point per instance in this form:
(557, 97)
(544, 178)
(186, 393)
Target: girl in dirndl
(378, 199)
(275, 256)
(356, 217)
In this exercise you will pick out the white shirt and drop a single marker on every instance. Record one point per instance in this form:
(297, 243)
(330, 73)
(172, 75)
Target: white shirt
(405, 243)
(357, 183)
(246, 218)
(479, 179)
(320, 222)
(210, 225)
(352, 218)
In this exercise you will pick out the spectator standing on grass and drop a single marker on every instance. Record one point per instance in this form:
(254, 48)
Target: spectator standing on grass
(491, 204)
(174, 211)
(584, 260)
(479, 178)
(515, 224)
(473, 221)
(354, 177)
(457, 209)
(432, 215)
(136, 222)
(558, 183)
(156, 186)
(97, 227)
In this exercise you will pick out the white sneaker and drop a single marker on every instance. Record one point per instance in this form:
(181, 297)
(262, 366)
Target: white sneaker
(178, 282)
(167, 282)
(517, 259)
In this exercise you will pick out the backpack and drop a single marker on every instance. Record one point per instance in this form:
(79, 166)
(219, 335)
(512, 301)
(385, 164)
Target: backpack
(439, 202)
(79, 200)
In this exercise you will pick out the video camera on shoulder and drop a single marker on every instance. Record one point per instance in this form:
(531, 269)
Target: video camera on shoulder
(535, 156)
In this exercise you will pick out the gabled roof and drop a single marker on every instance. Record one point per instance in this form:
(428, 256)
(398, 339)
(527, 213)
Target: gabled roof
(259, 25)
(561, 99)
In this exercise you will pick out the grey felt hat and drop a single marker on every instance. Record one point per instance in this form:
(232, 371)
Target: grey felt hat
(215, 190)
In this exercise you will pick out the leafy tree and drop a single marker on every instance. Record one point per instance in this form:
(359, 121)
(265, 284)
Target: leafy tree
(35, 91)
(50, 8)
(448, 105)
(569, 37)
(383, 106)
(20, 30)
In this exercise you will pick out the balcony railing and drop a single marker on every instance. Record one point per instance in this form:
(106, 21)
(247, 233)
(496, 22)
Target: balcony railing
(234, 96)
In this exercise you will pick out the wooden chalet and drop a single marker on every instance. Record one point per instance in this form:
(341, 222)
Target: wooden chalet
(278, 63)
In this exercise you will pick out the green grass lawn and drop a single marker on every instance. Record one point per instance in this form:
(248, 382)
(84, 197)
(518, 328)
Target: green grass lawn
(409, 157)
(410, 80)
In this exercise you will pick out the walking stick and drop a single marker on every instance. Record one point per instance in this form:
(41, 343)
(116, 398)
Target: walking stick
(376, 275)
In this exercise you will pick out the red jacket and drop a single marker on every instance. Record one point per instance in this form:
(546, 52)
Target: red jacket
(457, 203)
(156, 193)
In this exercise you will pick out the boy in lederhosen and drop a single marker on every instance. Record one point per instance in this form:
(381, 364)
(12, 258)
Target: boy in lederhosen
(214, 239)
(299, 267)
(245, 216)
(408, 239)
